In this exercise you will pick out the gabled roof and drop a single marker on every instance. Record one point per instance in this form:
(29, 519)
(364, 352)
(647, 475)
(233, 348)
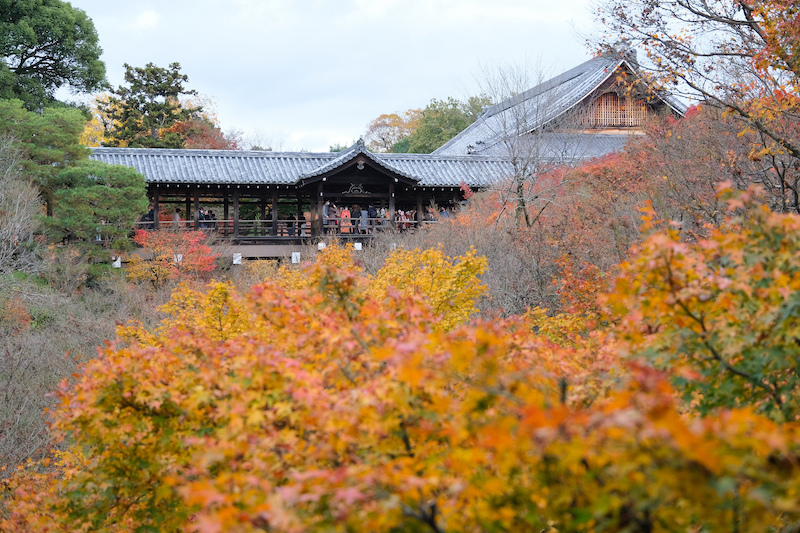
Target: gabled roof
(359, 149)
(243, 167)
(540, 106)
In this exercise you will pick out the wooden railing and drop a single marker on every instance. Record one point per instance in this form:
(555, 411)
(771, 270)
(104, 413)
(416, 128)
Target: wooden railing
(287, 228)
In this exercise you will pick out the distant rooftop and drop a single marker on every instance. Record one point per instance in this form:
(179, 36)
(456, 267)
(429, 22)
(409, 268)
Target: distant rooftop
(542, 105)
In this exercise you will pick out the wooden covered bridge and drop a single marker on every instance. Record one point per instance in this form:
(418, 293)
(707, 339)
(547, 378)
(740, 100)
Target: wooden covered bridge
(266, 202)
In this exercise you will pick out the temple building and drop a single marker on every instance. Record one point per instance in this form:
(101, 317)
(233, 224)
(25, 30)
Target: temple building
(584, 113)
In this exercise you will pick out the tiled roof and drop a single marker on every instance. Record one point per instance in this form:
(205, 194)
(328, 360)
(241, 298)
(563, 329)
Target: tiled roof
(243, 167)
(560, 147)
(345, 156)
(537, 107)
(214, 166)
(450, 171)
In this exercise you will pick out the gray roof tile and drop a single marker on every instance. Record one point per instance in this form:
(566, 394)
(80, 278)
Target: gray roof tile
(242, 167)
(344, 157)
(538, 107)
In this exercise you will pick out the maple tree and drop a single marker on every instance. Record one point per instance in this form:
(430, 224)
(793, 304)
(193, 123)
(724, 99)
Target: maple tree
(738, 55)
(171, 256)
(323, 407)
(203, 131)
(722, 307)
(100, 123)
(450, 287)
(202, 134)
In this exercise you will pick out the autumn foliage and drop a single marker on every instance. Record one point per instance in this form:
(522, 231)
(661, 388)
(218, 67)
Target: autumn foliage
(332, 405)
(722, 309)
(170, 255)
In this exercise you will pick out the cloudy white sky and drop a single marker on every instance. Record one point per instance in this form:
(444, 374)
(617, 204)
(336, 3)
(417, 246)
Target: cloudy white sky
(312, 73)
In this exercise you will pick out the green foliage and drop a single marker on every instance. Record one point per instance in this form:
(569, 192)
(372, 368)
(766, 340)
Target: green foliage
(97, 199)
(49, 140)
(46, 44)
(147, 106)
(442, 120)
(722, 312)
(402, 146)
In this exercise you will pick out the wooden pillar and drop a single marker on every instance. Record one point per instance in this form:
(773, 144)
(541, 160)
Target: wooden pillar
(225, 211)
(195, 207)
(391, 202)
(262, 219)
(236, 212)
(300, 217)
(420, 213)
(188, 207)
(317, 215)
(274, 212)
(156, 208)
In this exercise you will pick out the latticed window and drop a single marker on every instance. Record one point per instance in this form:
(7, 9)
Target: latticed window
(610, 110)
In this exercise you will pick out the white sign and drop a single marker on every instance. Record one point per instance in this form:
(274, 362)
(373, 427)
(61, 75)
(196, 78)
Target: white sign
(178, 258)
(117, 262)
(357, 246)
(321, 246)
(237, 259)
(295, 257)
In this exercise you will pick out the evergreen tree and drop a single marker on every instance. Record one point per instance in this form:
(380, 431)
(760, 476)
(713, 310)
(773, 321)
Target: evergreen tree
(97, 201)
(143, 112)
(44, 45)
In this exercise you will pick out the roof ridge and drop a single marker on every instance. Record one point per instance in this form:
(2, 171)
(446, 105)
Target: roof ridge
(359, 148)
(546, 85)
(210, 152)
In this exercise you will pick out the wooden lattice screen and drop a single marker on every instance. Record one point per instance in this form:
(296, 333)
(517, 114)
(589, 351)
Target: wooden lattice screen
(610, 110)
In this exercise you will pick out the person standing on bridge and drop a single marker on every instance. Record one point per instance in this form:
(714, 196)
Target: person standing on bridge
(344, 220)
(326, 213)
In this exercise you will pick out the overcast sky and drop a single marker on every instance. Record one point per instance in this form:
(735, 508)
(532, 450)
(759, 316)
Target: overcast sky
(308, 74)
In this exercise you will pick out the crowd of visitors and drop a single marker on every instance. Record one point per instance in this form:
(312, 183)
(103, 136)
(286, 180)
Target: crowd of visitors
(340, 220)
(346, 220)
